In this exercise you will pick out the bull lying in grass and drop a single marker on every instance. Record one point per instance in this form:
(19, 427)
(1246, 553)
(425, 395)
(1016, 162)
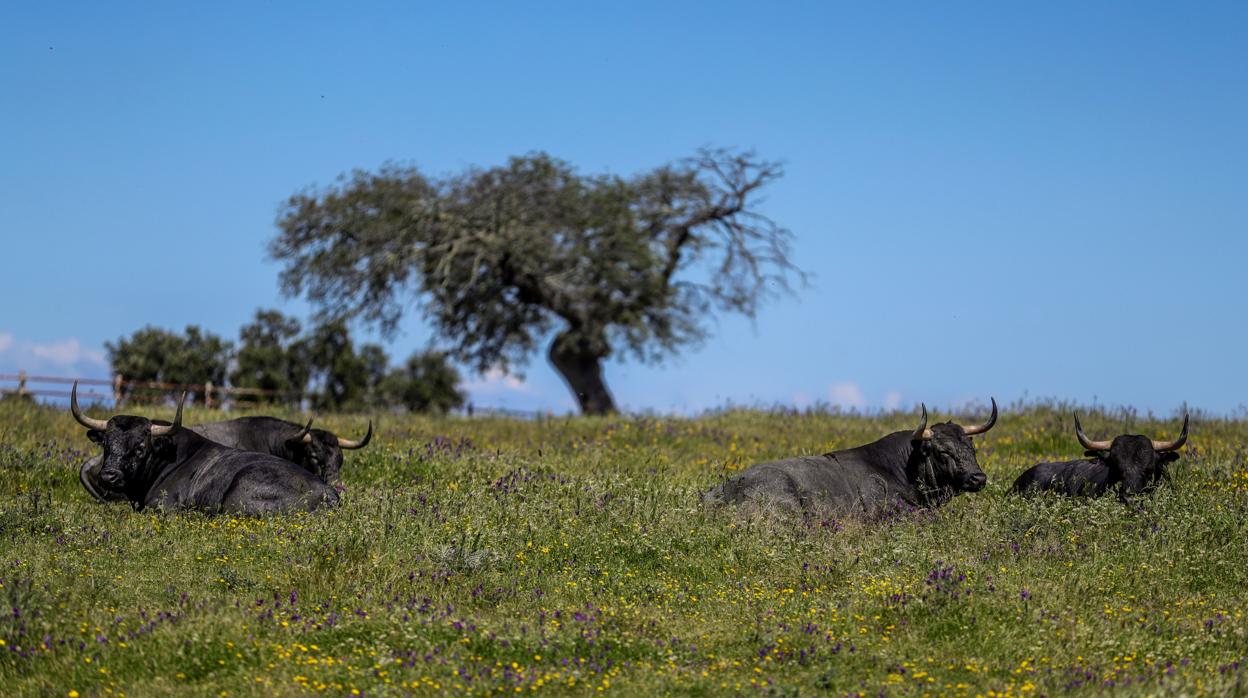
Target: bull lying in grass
(316, 450)
(169, 467)
(1130, 463)
(921, 468)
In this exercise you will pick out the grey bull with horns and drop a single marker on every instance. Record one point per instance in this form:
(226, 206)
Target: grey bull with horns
(167, 466)
(1130, 463)
(316, 450)
(922, 468)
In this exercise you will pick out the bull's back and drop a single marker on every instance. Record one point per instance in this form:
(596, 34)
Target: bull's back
(261, 488)
(224, 480)
(814, 482)
(1075, 477)
(244, 433)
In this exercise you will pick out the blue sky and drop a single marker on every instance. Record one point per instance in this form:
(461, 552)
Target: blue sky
(1009, 199)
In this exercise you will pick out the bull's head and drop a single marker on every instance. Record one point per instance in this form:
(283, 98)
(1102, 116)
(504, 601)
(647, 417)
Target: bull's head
(320, 451)
(131, 444)
(1136, 462)
(946, 454)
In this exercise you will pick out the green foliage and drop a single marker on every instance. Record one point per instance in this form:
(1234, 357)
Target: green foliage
(274, 356)
(428, 382)
(271, 357)
(350, 379)
(502, 257)
(564, 555)
(152, 354)
(342, 375)
(376, 366)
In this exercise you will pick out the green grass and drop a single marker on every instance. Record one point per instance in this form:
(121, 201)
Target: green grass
(569, 555)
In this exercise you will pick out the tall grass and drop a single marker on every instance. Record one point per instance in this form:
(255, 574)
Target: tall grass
(571, 555)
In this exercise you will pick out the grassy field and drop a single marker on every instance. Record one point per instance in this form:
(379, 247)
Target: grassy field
(572, 556)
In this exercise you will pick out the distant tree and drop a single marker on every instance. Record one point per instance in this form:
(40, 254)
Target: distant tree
(341, 375)
(271, 357)
(144, 356)
(427, 382)
(152, 354)
(204, 357)
(376, 363)
(505, 257)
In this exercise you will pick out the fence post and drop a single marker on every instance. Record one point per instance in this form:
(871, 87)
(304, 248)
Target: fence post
(208, 394)
(21, 383)
(117, 391)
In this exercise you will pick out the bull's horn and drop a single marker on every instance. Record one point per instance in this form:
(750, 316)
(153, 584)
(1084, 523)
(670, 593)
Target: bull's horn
(304, 434)
(347, 443)
(922, 433)
(1089, 443)
(86, 481)
(158, 430)
(971, 431)
(1173, 445)
(83, 419)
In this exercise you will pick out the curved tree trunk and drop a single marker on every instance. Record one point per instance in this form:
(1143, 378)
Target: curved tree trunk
(581, 368)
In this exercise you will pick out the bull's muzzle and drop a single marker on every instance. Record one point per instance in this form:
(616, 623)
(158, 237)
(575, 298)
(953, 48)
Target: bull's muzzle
(975, 482)
(111, 477)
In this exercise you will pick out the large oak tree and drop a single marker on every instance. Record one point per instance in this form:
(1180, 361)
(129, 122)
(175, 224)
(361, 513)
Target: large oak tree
(503, 258)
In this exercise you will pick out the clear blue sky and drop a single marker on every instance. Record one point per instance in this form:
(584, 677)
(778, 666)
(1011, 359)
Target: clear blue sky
(1009, 199)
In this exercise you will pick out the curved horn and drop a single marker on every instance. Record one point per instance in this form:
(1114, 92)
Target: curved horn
(347, 443)
(922, 433)
(1089, 443)
(83, 419)
(86, 482)
(304, 434)
(971, 431)
(158, 430)
(1173, 445)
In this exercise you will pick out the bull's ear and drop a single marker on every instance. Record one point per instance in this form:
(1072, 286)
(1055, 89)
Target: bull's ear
(1093, 454)
(96, 436)
(1167, 457)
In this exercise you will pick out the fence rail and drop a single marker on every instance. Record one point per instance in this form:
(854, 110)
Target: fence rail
(122, 389)
(210, 395)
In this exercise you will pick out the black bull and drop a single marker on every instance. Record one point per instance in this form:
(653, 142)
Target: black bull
(1131, 463)
(923, 468)
(318, 451)
(169, 467)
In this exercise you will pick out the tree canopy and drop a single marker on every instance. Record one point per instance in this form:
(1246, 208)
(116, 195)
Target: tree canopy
(427, 382)
(340, 373)
(271, 356)
(323, 365)
(504, 258)
(152, 354)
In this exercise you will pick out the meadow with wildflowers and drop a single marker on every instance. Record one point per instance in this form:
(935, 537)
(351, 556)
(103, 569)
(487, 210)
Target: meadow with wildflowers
(572, 556)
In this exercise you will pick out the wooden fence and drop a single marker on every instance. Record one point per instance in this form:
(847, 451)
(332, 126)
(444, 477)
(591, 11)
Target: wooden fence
(119, 389)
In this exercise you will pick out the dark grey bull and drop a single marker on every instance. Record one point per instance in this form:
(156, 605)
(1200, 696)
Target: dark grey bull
(1130, 463)
(318, 451)
(922, 468)
(168, 467)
